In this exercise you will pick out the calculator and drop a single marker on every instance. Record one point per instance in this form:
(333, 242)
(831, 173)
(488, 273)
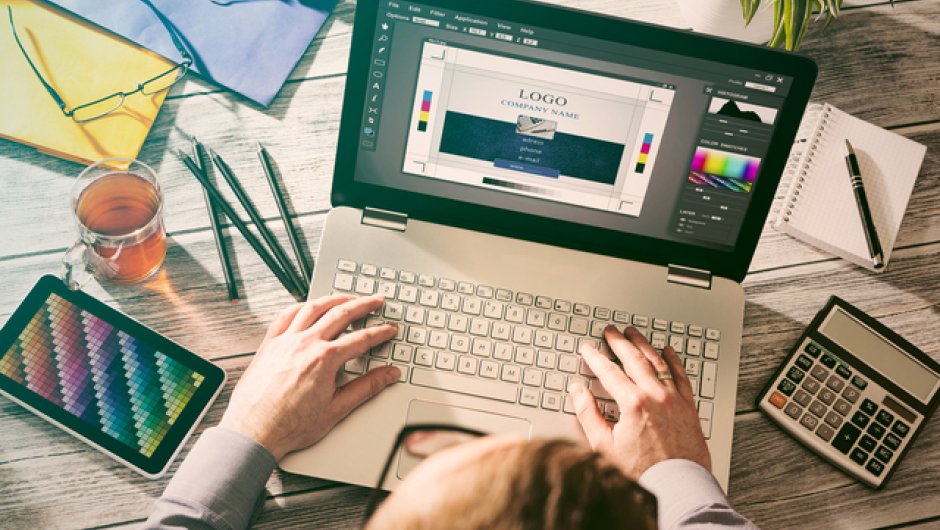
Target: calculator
(854, 392)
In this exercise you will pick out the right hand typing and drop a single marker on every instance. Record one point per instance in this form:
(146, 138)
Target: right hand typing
(658, 420)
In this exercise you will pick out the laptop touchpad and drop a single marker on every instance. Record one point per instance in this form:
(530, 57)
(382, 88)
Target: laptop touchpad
(437, 413)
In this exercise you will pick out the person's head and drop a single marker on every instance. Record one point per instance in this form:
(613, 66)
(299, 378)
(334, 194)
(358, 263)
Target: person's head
(507, 483)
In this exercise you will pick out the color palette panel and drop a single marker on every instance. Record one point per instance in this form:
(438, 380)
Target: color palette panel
(425, 111)
(724, 164)
(100, 374)
(644, 153)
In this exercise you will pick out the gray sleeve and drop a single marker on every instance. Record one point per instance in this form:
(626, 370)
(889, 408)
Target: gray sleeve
(220, 485)
(690, 498)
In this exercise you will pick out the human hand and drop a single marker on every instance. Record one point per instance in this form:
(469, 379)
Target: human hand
(658, 420)
(287, 398)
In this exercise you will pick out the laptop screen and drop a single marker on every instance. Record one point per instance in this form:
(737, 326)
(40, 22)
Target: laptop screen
(564, 126)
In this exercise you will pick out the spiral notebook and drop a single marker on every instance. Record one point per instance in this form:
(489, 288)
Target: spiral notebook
(815, 202)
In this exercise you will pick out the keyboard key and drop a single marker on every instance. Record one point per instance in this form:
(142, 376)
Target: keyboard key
(850, 394)
(501, 330)
(677, 327)
(604, 314)
(711, 350)
(803, 398)
(811, 385)
(712, 334)
(458, 323)
(564, 343)
(793, 410)
(527, 299)
(568, 363)
(417, 335)
(817, 408)
(867, 443)
(660, 324)
(884, 417)
(368, 270)
(447, 361)
(804, 362)
(438, 339)
(554, 381)
(428, 298)
(465, 288)
(408, 294)
(376, 363)
(842, 407)
(402, 353)
(365, 285)
(578, 326)
(859, 382)
(383, 351)
(480, 327)
(819, 372)
(858, 456)
(640, 321)
(467, 365)
(493, 309)
(843, 372)
(892, 441)
(489, 369)
(387, 289)
(472, 306)
(868, 407)
(406, 277)
(597, 329)
(547, 359)
(485, 291)
(835, 383)
(515, 314)
(795, 374)
(693, 347)
(557, 322)
(584, 369)
(875, 467)
(522, 335)
(450, 302)
(482, 347)
(846, 438)
(504, 295)
(464, 385)
(786, 386)
(696, 331)
(525, 355)
(860, 419)
(436, 319)
(346, 265)
(562, 306)
(827, 396)
(809, 421)
(876, 430)
(825, 432)
(900, 428)
(532, 377)
(343, 282)
(446, 284)
(658, 340)
(828, 361)
(677, 342)
(544, 339)
(709, 380)
(612, 412)
(511, 373)
(541, 302)
(414, 314)
(551, 401)
(693, 367)
(424, 357)
(529, 397)
(460, 343)
(582, 310)
(834, 418)
(535, 317)
(502, 351)
(812, 349)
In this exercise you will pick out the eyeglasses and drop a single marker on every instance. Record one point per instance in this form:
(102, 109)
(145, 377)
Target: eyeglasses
(108, 104)
(417, 442)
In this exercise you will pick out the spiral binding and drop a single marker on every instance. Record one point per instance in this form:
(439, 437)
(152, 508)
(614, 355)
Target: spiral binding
(801, 159)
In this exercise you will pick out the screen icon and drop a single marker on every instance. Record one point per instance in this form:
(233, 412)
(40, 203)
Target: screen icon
(384, 26)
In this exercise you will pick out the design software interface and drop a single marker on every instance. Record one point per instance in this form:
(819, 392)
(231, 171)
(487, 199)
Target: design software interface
(564, 126)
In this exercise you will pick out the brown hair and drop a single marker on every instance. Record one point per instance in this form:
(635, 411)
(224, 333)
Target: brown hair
(543, 485)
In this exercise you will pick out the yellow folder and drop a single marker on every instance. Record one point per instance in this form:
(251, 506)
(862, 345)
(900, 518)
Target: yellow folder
(82, 63)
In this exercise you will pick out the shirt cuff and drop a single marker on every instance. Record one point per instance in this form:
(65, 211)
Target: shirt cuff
(681, 487)
(225, 472)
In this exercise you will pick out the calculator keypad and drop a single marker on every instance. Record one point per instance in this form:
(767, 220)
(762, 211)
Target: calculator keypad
(823, 395)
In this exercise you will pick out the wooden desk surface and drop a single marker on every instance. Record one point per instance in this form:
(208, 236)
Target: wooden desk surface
(879, 63)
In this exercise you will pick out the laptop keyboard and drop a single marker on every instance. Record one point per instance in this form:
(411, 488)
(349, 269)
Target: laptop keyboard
(509, 346)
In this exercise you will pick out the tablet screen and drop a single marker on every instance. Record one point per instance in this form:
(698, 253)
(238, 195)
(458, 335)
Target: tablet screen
(107, 375)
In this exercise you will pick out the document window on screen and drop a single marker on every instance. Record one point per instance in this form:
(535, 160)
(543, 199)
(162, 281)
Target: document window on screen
(530, 128)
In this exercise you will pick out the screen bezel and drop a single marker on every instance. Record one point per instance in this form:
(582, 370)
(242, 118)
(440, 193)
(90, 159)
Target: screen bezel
(156, 463)
(734, 264)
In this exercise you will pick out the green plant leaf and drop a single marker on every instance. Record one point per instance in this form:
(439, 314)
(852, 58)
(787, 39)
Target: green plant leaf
(749, 7)
(778, 35)
(807, 16)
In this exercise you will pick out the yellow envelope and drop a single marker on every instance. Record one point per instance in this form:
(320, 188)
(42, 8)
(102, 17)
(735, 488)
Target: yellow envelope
(83, 63)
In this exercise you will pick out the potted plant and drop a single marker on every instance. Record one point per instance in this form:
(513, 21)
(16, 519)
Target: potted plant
(779, 23)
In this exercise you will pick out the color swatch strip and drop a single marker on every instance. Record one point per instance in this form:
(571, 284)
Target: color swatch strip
(724, 164)
(100, 374)
(425, 111)
(644, 153)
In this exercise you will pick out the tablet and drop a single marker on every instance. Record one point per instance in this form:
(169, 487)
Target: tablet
(103, 377)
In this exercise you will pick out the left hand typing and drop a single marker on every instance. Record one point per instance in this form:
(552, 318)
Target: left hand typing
(287, 398)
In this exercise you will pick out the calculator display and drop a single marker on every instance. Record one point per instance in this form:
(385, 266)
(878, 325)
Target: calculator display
(876, 351)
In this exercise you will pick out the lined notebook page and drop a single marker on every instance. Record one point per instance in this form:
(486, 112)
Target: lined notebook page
(820, 205)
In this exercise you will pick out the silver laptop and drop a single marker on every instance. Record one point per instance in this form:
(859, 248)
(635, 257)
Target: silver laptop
(514, 177)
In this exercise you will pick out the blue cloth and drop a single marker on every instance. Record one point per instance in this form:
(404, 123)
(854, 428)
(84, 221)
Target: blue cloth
(248, 46)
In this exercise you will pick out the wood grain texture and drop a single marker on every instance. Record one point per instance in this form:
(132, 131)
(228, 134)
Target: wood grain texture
(49, 480)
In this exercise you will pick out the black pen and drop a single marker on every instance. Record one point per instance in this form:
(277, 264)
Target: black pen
(216, 196)
(279, 255)
(293, 237)
(871, 233)
(199, 156)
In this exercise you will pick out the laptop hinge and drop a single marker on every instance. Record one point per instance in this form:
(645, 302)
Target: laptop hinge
(689, 276)
(385, 219)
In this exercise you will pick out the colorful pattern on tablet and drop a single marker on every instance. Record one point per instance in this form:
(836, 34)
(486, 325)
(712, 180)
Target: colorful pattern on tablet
(100, 374)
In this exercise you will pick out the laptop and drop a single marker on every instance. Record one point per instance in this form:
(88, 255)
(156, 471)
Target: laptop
(515, 176)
